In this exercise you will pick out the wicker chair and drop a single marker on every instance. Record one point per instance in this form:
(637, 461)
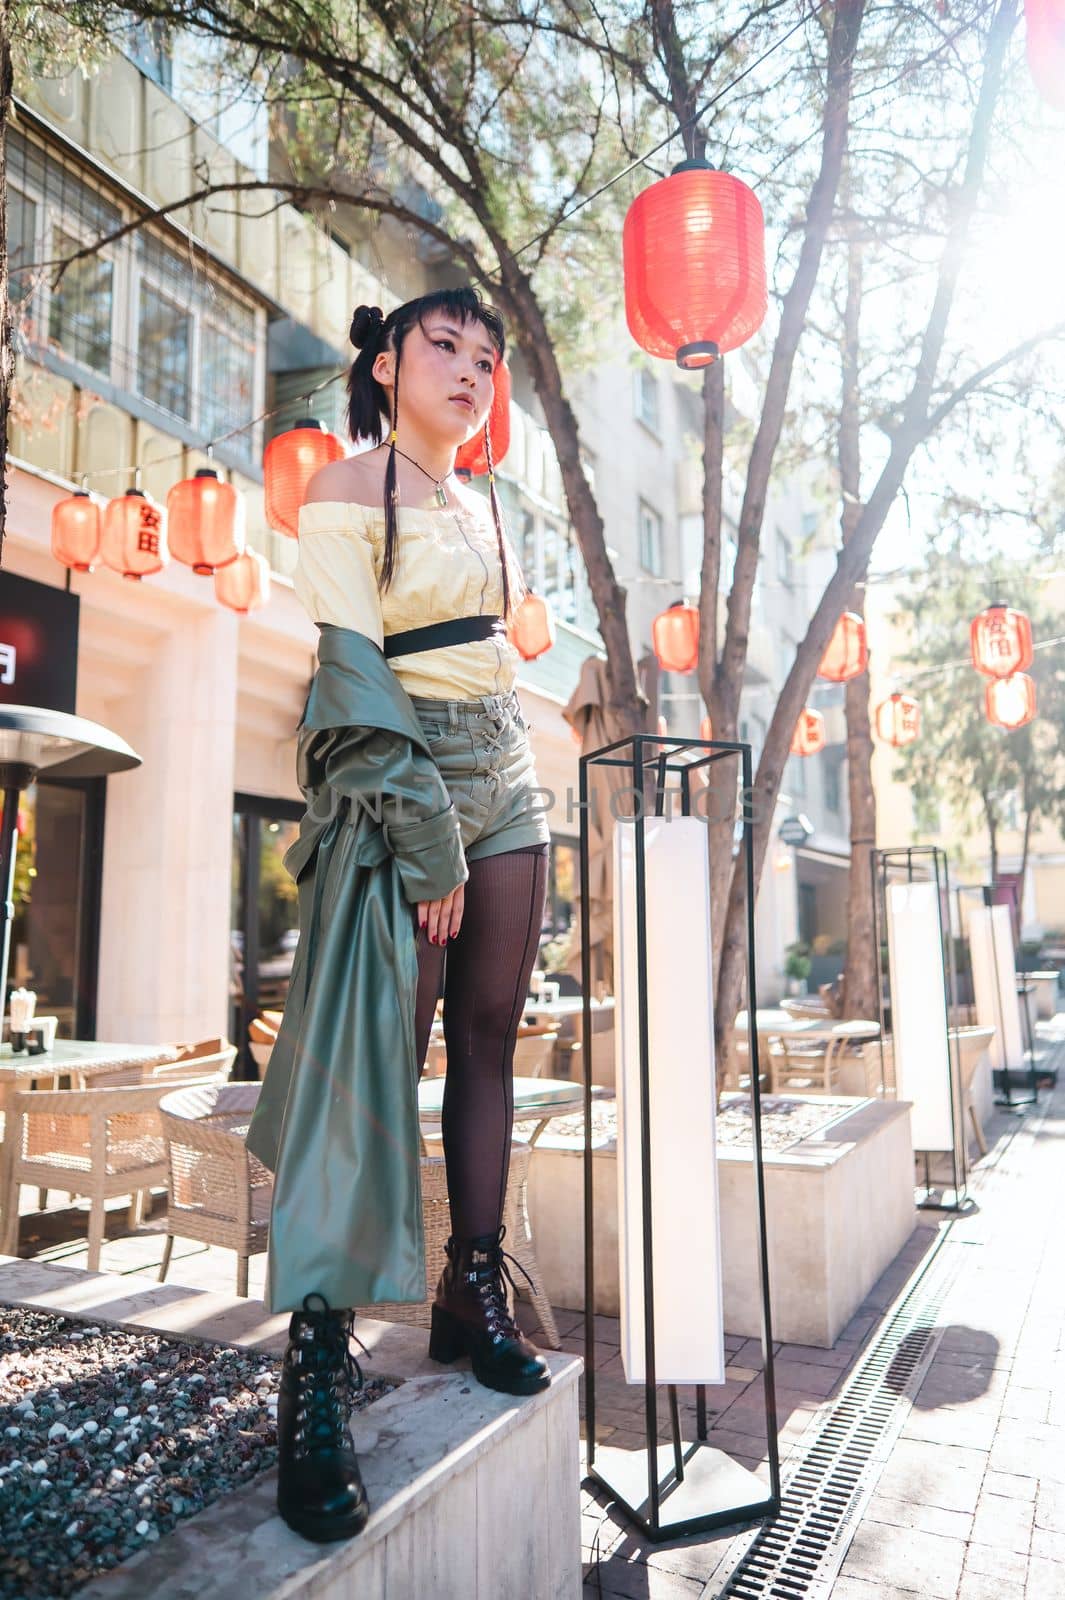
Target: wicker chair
(96, 1143)
(436, 1220)
(534, 1054)
(206, 1058)
(219, 1192)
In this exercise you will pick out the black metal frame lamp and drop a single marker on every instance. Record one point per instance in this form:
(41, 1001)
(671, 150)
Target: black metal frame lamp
(34, 740)
(907, 865)
(695, 1484)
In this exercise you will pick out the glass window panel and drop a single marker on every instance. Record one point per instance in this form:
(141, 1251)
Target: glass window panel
(163, 340)
(49, 901)
(21, 237)
(227, 375)
(79, 317)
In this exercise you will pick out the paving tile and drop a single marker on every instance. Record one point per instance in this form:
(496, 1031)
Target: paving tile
(988, 1561)
(1050, 1507)
(1009, 1485)
(1003, 1524)
(947, 1425)
(1046, 1580)
(859, 1589)
(927, 1561)
(913, 1514)
(1048, 1545)
(984, 1586)
(1029, 1404)
(634, 1580)
(948, 1476)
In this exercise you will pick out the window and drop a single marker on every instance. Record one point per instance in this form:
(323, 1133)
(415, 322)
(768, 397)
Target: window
(22, 232)
(647, 405)
(650, 531)
(163, 353)
(137, 313)
(785, 565)
(80, 310)
(147, 48)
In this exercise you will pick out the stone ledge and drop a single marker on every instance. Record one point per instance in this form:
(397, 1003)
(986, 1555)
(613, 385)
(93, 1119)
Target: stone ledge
(474, 1494)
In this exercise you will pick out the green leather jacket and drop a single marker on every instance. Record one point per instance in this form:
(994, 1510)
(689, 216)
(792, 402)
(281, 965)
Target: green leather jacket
(337, 1117)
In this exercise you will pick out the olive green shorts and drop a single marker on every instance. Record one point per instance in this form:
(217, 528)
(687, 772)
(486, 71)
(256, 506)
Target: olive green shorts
(485, 759)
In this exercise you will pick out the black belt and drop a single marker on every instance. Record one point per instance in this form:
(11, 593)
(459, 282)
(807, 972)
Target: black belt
(458, 630)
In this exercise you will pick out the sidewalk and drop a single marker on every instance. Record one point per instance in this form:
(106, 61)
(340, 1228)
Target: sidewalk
(970, 1504)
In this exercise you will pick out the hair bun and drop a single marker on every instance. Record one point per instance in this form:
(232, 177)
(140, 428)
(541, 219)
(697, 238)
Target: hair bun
(365, 324)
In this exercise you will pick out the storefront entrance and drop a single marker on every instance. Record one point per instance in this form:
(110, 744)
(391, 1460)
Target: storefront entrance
(56, 928)
(265, 921)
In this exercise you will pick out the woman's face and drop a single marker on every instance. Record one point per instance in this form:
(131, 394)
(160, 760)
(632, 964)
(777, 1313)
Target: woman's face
(446, 384)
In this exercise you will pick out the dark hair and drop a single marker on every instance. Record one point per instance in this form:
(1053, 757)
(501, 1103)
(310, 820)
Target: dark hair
(369, 405)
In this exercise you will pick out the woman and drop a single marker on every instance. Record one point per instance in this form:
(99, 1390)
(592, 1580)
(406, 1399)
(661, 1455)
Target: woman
(421, 841)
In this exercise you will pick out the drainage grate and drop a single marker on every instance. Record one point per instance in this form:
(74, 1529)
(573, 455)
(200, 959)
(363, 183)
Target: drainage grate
(799, 1553)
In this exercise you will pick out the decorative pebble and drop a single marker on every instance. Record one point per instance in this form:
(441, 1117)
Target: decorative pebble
(116, 1474)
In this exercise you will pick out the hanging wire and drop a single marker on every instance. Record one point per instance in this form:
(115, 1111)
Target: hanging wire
(807, 15)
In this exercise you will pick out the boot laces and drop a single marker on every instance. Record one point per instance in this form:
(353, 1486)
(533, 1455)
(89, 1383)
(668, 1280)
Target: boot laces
(487, 1280)
(328, 1376)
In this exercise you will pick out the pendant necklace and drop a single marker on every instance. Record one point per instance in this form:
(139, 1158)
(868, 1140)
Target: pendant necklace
(437, 483)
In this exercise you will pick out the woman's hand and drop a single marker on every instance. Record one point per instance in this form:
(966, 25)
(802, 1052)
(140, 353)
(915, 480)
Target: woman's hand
(441, 919)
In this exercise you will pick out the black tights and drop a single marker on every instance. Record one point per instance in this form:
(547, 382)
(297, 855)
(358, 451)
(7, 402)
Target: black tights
(486, 979)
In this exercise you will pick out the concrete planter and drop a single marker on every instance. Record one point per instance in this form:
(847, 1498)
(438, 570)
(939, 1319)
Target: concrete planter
(473, 1494)
(840, 1206)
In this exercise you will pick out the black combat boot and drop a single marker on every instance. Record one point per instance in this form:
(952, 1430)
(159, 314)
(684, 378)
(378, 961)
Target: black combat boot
(319, 1488)
(471, 1316)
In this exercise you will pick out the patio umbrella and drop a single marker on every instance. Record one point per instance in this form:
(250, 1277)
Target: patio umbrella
(588, 710)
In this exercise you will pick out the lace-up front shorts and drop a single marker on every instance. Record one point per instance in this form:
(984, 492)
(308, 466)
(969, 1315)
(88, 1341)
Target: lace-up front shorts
(482, 750)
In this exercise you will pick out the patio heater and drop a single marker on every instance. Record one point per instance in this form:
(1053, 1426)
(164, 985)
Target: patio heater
(32, 740)
(669, 1236)
(915, 954)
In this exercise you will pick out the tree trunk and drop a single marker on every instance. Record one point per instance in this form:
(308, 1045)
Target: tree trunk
(859, 977)
(731, 665)
(7, 348)
(916, 423)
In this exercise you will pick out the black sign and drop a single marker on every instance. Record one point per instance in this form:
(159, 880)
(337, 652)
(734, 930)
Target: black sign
(795, 830)
(38, 644)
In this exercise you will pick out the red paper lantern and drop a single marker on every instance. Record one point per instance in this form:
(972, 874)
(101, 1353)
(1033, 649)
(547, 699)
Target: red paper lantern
(675, 637)
(134, 535)
(809, 735)
(1045, 44)
(694, 261)
(531, 630)
(1001, 641)
(1010, 702)
(76, 531)
(290, 461)
(243, 584)
(472, 456)
(205, 522)
(847, 654)
(898, 720)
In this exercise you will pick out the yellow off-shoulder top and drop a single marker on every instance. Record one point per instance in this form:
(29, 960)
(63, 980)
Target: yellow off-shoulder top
(447, 565)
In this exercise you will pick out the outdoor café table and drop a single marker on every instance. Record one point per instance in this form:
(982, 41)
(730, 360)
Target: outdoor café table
(567, 1005)
(542, 1098)
(80, 1059)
